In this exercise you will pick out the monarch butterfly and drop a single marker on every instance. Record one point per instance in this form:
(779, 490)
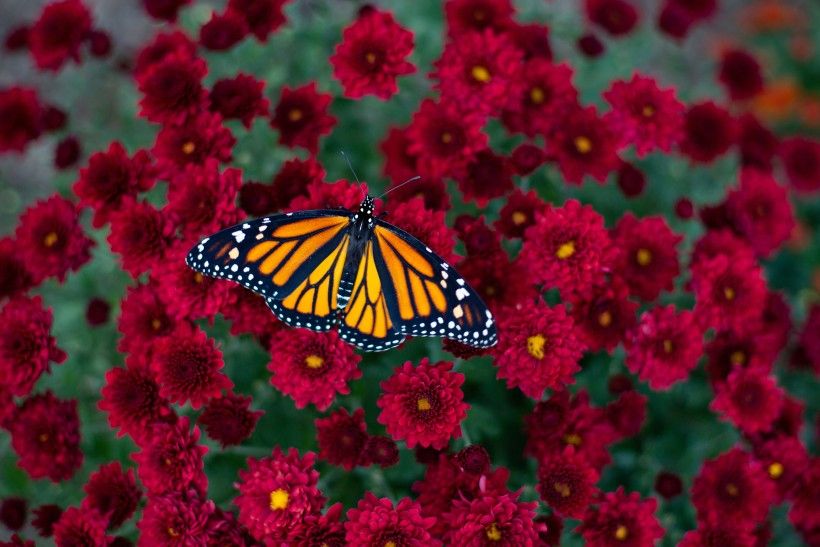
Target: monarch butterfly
(326, 268)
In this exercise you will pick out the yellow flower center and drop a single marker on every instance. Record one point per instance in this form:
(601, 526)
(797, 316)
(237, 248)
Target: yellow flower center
(490, 290)
(519, 218)
(423, 404)
(188, 147)
(562, 489)
(731, 489)
(572, 438)
(775, 470)
(156, 323)
(537, 95)
(480, 74)
(314, 361)
(493, 533)
(51, 239)
(173, 533)
(535, 346)
(390, 544)
(43, 437)
(198, 277)
(583, 144)
(446, 137)
(566, 250)
(737, 357)
(648, 111)
(605, 319)
(667, 346)
(621, 533)
(279, 499)
(295, 115)
(729, 293)
(479, 15)
(643, 256)
(370, 57)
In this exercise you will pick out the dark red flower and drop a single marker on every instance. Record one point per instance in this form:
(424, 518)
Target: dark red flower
(721, 242)
(240, 98)
(320, 530)
(532, 39)
(668, 485)
(519, 213)
(644, 114)
(465, 16)
(733, 487)
(730, 293)
(52, 239)
(621, 518)
(164, 44)
(399, 163)
(278, 492)
(13, 512)
(14, 275)
(262, 16)
(248, 313)
(113, 493)
(172, 89)
(423, 404)
(709, 130)
(67, 152)
(99, 43)
(301, 117)
(45, 434)
(433, 192)
(228, 419)
(584, 144)
(426, 225)
(58, 33)
(143, 319)
(741, 74)
(631, 180)
(164, 10)
(473, 459)
(199, 138)
(44, 519)
(202, 200)
(567, 248)
(342, 438)
(801, 161)
(223, 31)
(546, 92)
(785, 460)
(664, 347)
(749, 399)
(537, 349)
(760, 211)
(758, 145)
(487, 176)
(617, 17)
(566, 483)
(372, 54)
(187, 367)
(141, 235)
(806, 499)
(17, 38)
(715, 532)
(375, 522)
(526, 158)
(171, 460)
(731, 350)
(80, 526)
(380, 450)
(627, 413)
(549, 529)
(604, 314)
(328, 195)
(648, 255)
(497, 280)
(21, 116)
(591, 46)
(312, 367)
(684, 208)
(444, 139)
(810, 337)
(53, 119)
(177, 519)
(492, 519)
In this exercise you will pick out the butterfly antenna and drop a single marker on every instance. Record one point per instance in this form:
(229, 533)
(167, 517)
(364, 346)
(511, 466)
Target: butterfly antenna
(408, 181)
(342, 152)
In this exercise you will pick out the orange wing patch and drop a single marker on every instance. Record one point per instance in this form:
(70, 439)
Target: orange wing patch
(366, 311)
(317, 295)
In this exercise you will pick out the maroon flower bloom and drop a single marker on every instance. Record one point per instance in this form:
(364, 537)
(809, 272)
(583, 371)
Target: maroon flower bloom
(67, 152)
(58, 33)
(13, 513)
(249, 314)
(164, 10)
(342, 438)
(720, 532)
(785, 460)
(262, 16)
(423, 404)
(760, 211)
(591, 46)
(26, 344)
(630, 180)
(143, 319)
(433, 192)
(604, 315)
(664, 347)
(375, 522)
(584, 144)
(172, 89)
(301, 117)
(399, 163)
(223, 31)
(810, 337)
(526, 158)
(51, 238)
(709, 130)
(97, 312)
(758, 145)
(372, 54)
(240, 98)
(426, 225)
(566, 483)
(801, 160)
(519, 213)
(141, 235)
(487, 176)
(627, 413)
(730, 292)
(278, 492)
(668, 485)
(45, 434)
(164, 44)
(196, 140)
(53, 119)
(497, 280)
(617, 17)
(380, 450)
(44, 519)
(492, 519)
(14, 276)
(532, 39)
(113, 493)
(741, 74)
(731, 350)
(201, 200)
(328, 195)
(171, 460)
(21, 116)
(465, 16)
(177, 519)
(749, 399)
(80, 526)
(621, 518)
(99, 43)
(17, 38)
(320, 529)
(228, 419)
(806, 502)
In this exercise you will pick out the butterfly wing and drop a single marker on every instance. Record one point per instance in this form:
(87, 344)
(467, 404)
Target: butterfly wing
(424, 295)
(294, 260)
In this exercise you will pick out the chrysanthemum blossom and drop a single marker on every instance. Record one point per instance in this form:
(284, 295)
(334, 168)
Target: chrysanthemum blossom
(710, 130)
(750, 399)
(785, 460)
(176, 519)
(262, 16)
(375, 522)
(140, 235)
(604, 314)
(15, 278)
(172, 89)
(241, 98)
(621, 518)
(801, 161)
(566, 482)
(21, 118)
(544, 94)
(492, 519)
(228, 419)
(81, 526)
(113, 493)
(518, 213)
(198, 138)
(301, 117)
(730, 293)
(584, 143)
(342, 438)
(57, 34)
(171, 459)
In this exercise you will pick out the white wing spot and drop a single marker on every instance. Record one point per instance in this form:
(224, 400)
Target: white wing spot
(462, 293)
(458, 312)
(233, 254)
(239, 236)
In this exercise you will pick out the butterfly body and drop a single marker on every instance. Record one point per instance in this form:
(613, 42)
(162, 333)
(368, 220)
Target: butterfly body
(349, 270)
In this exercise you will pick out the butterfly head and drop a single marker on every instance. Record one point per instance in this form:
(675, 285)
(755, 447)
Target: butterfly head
(367, 206)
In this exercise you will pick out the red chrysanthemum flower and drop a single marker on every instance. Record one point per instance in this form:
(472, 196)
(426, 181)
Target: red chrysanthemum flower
(312, 367)
(223, 31)
(801, 161)
(810, 337)
(262, 16)
(730, 350)
(497, 280)
(240, 98)
(537, 348)
(143, 319)
(228, 419)
(375, 522)
(14, 275)
(749, 399)
(627, 413)
(487, 176)
(26, 344)
(164, 10)
(13, 513)
(760, 211)
(730, 293)
(758, 144)
(741, 74)
(113, 493)
(423, 404)
(433, 192)
(806, 499)
(426, 225)
(329, 195)
(172, 89)
(320, 529)
(187, 366)
(668, 485)
(163, 45)
(399, 163)
(566, 482)
(492, 519)
(51, 238)
(57, 34)
(44, 519)
(278, 492)
(201, 200)
(45, 434)
(732, 487)
(645, 115)
(444, 139)
(248, 313)
(526, 158)
(465, 16)
(664, 347)
(584, 144)
(199, 138)
(604, 315)
(81, 526)
(380, 450)
(647, 255)
(617, 17)
(171, 460)
(716, 532)
(177, 519)
(543, 96)
(567, 248)
(785, 460)
(519, 213)
(478, 71)
(621, 518)
(141, 235)
(372, 54)
(67, 152)
(721, 242)
(301, 117)
(21, 118)
(342, 438)
(532, 39)
(709, 130)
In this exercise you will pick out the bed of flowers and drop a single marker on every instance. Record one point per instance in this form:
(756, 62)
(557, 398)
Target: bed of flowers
(631, 187)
